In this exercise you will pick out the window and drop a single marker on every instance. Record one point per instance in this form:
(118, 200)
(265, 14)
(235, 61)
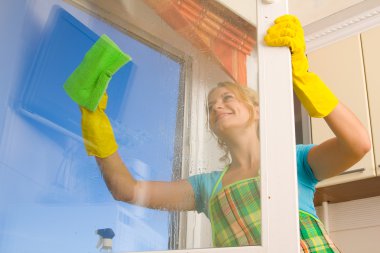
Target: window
(58, 193)
(57, 186)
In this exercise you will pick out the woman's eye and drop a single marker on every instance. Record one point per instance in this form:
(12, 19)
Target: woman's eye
(228, 97)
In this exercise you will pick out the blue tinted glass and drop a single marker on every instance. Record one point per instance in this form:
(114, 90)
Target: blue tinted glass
(52, 195)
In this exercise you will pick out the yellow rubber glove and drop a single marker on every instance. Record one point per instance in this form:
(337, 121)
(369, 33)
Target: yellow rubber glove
(314, 95)
(97, 132)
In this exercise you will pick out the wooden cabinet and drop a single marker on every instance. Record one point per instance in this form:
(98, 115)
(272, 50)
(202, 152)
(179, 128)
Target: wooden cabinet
(341, 67)
(371, 54)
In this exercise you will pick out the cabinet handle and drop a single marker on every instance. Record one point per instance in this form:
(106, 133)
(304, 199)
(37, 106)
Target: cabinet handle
(352, 171)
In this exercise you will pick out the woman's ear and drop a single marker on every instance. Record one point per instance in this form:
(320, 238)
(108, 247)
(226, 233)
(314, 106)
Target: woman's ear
(256, 112)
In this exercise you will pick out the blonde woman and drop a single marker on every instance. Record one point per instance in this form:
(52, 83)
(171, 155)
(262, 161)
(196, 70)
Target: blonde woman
(231, 198)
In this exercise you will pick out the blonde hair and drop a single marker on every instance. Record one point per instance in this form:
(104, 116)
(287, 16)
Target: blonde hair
(244, 94)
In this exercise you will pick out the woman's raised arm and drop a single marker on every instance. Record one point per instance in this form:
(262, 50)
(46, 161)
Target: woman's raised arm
(350, 144)
(351, 141)
(99, 141)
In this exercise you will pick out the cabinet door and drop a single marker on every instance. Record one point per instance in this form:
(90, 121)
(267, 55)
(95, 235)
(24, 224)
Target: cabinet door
(340, 65)
(371, 55)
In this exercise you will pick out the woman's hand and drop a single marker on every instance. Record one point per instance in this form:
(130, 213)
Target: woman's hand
(314, 95)
(98, 136)
(287, 31)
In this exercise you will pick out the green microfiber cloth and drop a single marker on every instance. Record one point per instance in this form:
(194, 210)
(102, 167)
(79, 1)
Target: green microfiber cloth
(87, 84)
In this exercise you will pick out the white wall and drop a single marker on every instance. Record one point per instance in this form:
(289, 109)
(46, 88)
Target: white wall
(309, 11)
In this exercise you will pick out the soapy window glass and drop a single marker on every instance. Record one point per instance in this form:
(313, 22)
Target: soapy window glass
(53, 193)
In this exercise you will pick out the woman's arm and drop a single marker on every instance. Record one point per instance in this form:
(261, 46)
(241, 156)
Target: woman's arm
(337, 154)
(351, 142)
(99, 141)
(177, 195)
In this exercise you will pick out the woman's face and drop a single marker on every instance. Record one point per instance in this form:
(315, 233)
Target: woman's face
(226, 111)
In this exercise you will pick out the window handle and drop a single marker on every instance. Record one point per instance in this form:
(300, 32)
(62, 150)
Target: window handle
(269, 1)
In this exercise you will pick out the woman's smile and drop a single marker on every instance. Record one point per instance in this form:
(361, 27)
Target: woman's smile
(222, 115)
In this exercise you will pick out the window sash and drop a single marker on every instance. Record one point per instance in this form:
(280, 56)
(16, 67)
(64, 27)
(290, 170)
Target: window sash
(279, 196)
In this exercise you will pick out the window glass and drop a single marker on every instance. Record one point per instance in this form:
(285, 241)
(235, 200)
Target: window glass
(180, 111)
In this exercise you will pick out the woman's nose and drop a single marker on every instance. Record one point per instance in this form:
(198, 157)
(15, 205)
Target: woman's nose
(218, 105)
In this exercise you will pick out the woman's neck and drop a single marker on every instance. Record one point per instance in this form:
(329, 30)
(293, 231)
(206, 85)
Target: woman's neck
(245, 151)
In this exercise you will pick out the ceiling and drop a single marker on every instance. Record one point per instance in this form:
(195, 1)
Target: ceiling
(308, 11)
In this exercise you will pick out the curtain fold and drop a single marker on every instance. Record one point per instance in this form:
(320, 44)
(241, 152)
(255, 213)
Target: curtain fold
(209, 32)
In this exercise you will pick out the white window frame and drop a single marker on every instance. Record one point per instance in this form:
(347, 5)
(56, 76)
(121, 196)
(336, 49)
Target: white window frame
(279, 195)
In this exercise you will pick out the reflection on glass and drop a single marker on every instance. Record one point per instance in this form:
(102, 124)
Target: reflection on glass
(227, 190)
(233, 206)
(139, 179)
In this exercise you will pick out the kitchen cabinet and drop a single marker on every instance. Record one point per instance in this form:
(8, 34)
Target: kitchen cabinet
(371, 54)
(342, 67)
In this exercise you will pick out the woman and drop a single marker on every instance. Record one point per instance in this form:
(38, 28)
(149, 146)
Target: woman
(234, 119)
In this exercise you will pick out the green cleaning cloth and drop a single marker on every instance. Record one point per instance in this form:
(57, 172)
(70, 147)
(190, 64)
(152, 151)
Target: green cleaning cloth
(87, 84)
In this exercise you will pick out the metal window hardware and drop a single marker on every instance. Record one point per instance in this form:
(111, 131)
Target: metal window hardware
(268, 1)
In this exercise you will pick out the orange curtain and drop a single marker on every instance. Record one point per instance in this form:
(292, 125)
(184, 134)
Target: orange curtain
(209, 32)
